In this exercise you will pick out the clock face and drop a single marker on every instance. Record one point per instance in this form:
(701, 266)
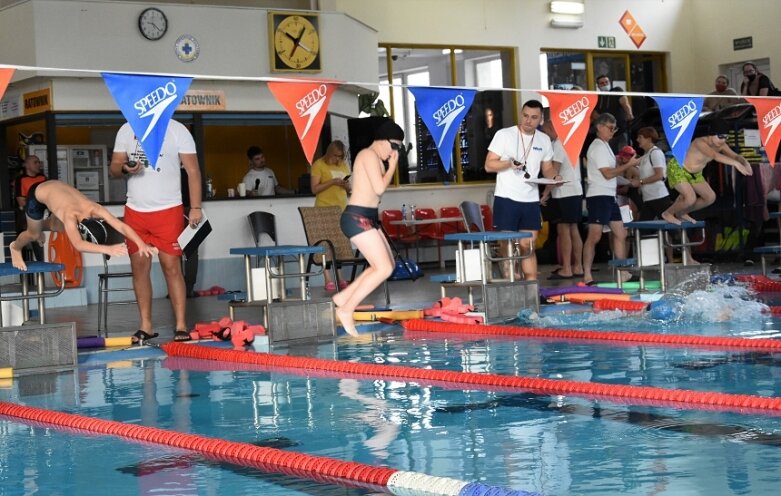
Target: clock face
(153, 24)
(296, 42)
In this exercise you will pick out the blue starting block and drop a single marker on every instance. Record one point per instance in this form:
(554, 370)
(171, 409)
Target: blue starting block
(39, 269)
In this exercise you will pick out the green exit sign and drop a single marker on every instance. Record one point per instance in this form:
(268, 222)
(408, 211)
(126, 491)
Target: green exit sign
(606, 41)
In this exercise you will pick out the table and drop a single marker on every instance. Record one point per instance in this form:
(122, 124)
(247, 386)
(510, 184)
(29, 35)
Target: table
(422, 222)
(661, 228)
(39, 269)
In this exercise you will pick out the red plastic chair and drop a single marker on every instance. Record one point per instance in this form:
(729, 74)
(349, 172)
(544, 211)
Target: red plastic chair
(430, 232)
(397, 233)
(451, 227)
(488, 217)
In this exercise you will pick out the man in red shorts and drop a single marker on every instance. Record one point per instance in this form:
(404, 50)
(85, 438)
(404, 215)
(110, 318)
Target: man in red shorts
(154, 210)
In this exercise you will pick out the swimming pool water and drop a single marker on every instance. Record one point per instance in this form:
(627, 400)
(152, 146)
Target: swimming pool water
(550, 444)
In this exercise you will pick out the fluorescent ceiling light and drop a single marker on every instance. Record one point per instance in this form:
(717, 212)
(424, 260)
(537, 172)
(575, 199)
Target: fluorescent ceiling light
(564, 7)
(446, 51)
(566, 22)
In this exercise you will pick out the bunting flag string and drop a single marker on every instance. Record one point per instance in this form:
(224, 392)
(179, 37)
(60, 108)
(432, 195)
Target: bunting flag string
(570, 114)
(307, 104)
(442, 110)
(148, 103)
(679, 119)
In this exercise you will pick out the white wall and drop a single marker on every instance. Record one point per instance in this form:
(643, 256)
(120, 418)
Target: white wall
(104, 36)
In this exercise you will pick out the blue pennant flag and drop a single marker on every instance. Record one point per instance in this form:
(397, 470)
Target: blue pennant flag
(679, 118)
(147, 102)
(442, 110)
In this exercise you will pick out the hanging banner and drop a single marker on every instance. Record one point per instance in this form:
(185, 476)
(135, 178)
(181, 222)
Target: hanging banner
(307, 104)
(679, 118)
(442, 110)
(5, 78)
(570, 114)
(768, 119)
(147, 102)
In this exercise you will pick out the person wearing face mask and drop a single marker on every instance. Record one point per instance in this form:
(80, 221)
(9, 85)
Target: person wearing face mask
(618, 106)
(755, 83)
(722, 90)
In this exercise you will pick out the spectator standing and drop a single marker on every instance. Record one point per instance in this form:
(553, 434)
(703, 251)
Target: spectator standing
(518, 154)
(260, 180)
(330, 184)
(618, 106)
(755, 83)
(651, 176)
(30, 176)
(154, 210)
(601, 195)
(568, 200)
(722, 90)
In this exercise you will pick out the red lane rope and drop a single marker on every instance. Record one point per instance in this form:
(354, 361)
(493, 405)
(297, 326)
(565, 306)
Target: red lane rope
(711, 342)
(644, 395)
(317, 468)
(760, 283)
(775, 310)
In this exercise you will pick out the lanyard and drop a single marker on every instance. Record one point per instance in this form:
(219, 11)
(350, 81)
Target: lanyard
(523, 144)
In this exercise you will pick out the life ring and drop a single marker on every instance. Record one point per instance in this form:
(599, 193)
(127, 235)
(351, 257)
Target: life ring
(61, 251)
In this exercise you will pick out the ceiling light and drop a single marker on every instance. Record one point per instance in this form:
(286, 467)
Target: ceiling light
(446, 51)
(566, 22)
(564, 7)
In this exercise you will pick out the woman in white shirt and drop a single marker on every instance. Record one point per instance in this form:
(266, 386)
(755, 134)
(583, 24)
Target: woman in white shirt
(651, 176)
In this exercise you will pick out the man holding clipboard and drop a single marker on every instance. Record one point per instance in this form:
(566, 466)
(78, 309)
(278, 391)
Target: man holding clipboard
(154, 210)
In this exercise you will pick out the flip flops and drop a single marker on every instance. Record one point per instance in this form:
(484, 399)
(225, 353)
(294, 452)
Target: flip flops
(140, 336)
(555, 276)
(182, 336)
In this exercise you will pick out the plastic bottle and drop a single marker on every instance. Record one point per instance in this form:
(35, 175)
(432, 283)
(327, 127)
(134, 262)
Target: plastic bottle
(404, 211)
(209, 187)
(412, 211)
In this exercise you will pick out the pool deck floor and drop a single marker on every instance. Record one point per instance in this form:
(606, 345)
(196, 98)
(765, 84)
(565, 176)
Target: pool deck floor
(123, 319)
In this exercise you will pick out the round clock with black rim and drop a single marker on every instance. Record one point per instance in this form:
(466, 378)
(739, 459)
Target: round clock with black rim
(153, 24)
(295, 42)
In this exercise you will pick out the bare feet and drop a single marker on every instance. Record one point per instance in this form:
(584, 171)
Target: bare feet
(346, 318)
(339, 299)
(16, 257)
(687, 218)
(670, 218)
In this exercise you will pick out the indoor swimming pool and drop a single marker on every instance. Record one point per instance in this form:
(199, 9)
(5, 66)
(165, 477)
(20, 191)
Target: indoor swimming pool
(540, 443)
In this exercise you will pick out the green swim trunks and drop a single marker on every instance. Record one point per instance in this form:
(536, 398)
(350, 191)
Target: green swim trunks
(677, 175)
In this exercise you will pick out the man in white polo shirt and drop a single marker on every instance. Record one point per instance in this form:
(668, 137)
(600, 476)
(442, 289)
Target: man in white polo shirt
(518, 154)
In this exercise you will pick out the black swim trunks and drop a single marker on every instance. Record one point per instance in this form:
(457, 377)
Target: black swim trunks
(34, 209)
(356, 220)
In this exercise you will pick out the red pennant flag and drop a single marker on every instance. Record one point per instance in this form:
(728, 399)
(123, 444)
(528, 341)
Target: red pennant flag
(5, 77)
(571, 116)
(768, 120)
(306, 103)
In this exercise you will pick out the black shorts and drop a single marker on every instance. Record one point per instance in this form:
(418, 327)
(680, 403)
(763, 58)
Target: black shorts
(570, 209)
(602, 210)
(34, 209)
(356, 220)
(652, 209)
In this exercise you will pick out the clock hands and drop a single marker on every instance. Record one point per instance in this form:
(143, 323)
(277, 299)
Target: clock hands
(297, 41)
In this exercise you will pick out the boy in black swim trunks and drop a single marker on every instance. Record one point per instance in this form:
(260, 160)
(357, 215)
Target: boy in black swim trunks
(68, 207)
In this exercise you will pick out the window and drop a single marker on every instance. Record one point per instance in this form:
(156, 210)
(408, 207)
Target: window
(448, 66)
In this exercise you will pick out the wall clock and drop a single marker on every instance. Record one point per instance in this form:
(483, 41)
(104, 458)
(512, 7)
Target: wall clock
(295, 42)
(152, 23)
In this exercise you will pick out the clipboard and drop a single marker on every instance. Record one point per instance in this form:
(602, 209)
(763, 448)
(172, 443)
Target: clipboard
(192, 237)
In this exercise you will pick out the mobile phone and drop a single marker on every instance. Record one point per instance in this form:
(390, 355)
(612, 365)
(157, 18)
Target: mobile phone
(345, 178)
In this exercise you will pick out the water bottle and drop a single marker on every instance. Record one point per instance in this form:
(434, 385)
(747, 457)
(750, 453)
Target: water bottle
(404, 211)
(209, 187)
(412, 211)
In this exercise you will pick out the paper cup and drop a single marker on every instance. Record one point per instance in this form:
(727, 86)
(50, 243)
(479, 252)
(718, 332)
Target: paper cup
(242, 188)
(231, 192)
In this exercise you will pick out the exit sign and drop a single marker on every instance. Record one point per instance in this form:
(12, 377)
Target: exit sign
(606, 41)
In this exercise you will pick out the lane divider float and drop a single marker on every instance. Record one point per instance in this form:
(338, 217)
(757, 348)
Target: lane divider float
(317, 468)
